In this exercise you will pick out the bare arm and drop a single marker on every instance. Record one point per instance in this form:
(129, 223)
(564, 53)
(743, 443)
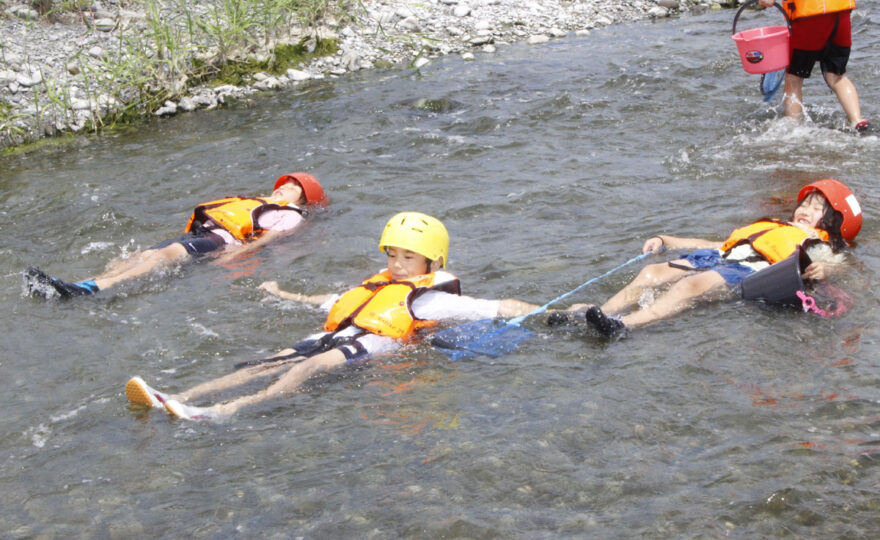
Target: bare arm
(272, 288)
(653, 244)
(231, 253)
(514, 308)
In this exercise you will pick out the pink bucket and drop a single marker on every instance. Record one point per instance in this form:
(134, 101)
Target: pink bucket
(765, 49)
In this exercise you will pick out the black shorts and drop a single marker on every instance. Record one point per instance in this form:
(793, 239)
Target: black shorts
(349, 346)
(196, 243)
(826, 39)
(832, 59)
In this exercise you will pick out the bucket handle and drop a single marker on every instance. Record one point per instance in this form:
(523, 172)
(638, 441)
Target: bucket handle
(753, 2)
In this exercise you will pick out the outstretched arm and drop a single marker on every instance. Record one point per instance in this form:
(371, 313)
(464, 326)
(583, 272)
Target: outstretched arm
(272, 288)
(231, 252)
(655, 243)
(514, 308)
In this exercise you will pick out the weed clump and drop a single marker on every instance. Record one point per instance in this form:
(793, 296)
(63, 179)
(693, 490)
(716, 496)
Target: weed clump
(177, 45)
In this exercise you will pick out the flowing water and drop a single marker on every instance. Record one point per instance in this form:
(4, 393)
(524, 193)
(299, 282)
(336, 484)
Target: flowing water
(549, 165)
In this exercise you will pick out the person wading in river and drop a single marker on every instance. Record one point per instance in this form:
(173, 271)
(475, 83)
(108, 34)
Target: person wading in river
(820, 32)
(375, 317)
(229, 226)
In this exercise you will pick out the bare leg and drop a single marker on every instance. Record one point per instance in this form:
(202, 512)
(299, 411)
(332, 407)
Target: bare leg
(142, 264)
(238, 377)
(793, 97)
(682, 295)
(288, 382)
(846, 95)
(650, 276)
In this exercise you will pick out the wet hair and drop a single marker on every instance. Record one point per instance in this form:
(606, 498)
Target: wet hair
(830, 222)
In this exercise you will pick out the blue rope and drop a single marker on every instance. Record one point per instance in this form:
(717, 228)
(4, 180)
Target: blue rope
(517, 320)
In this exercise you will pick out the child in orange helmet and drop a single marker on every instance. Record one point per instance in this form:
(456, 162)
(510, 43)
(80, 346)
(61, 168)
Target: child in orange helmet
(231, 226)
(827, 218)
(375, 317)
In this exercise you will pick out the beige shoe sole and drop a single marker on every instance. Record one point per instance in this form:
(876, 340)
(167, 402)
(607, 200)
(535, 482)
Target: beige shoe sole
(137, 391)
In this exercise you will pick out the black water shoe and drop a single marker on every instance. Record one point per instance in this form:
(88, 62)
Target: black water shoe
(40, 283)
(566, 318)
(863, 128)
(610, 327)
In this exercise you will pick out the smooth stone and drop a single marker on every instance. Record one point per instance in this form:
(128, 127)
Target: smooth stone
(538, 39)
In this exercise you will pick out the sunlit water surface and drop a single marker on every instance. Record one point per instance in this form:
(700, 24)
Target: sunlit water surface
(549, 165)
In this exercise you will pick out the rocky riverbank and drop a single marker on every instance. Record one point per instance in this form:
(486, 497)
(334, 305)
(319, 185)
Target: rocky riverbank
(64, 72)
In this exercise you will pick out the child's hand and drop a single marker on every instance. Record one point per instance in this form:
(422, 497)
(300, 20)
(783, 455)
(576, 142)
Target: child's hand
(270, 287)
(653, 245)
(816, 271)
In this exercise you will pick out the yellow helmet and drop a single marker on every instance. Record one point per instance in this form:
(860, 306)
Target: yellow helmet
(419, 233)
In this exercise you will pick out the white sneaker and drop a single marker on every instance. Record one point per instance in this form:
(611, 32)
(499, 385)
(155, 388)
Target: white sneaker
(138, 392)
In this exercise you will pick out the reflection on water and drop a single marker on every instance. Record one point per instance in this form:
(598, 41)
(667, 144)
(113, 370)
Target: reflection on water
(548, 169)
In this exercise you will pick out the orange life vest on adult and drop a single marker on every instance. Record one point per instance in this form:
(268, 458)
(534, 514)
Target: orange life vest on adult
(798, 9)
(237, 215)
(383, 306)
(773, 239)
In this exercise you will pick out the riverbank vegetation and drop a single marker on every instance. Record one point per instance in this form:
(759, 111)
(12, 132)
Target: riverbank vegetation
(164, 48)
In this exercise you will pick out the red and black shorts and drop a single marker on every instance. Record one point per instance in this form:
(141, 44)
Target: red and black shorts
(823, 38)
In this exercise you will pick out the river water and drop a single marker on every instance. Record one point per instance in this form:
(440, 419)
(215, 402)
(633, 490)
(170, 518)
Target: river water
(550, 165)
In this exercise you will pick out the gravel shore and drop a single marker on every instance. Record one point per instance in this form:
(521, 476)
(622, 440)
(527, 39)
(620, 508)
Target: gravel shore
(48, 65)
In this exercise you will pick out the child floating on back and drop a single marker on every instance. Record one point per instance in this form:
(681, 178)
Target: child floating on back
(826, 219)
(230, 225)
(378, 316)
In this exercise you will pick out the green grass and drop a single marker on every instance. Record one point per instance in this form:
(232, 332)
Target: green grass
(10, 131)
(174, 50)
(283, 58)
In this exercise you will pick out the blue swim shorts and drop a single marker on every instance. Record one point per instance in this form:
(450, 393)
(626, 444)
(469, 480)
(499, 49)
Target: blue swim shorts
(711, 259)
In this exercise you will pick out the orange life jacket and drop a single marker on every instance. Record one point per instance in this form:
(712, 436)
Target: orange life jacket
(237, 215)
(773, 239)
(798, 9)
(383, 306)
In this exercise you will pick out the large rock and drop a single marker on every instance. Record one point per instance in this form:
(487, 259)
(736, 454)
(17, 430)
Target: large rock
(29, 76)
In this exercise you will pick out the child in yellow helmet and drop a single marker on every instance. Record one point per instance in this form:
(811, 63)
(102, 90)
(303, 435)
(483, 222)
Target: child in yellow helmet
(412, 292)
(826, 218)
(228, 226)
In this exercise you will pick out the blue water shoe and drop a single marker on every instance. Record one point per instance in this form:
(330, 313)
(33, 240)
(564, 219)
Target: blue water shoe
(40, 283)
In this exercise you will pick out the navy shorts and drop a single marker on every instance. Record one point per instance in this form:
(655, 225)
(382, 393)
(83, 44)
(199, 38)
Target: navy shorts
(711, 259)
(197, 243)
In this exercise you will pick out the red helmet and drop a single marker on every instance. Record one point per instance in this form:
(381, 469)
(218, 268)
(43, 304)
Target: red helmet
(842, 200)
(311, 187)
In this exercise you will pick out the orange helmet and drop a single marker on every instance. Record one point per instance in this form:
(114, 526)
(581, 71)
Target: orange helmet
(842, 200)
(311, 187)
